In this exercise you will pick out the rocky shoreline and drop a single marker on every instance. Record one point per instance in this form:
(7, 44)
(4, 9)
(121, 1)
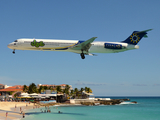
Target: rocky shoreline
(104, 102)
(89, 103)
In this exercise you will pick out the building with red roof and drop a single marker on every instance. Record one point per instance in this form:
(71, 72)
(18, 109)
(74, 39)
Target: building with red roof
(2, 86)
(12, 89)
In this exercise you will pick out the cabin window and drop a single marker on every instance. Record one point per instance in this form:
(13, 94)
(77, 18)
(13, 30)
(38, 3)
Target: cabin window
(15, 41)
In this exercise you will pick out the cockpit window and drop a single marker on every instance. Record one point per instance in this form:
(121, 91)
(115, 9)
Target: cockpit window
(15, 41)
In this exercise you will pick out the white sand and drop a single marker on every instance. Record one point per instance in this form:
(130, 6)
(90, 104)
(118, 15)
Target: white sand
(13, 113)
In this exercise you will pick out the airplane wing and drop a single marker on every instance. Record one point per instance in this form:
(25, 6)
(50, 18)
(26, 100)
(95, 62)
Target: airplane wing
(84, 46)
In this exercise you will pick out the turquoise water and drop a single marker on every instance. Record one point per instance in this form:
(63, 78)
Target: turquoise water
(148, 108)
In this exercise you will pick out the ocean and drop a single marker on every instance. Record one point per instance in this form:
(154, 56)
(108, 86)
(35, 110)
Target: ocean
(147, 108)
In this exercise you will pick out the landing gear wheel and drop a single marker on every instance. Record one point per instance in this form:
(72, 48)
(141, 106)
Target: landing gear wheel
(82, 56)
(13, 52)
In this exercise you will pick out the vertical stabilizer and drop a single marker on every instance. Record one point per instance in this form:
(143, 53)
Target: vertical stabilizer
(136, 36)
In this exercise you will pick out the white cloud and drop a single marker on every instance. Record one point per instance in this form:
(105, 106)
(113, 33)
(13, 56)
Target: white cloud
(140, 85)
(89, 83)
(156, 85)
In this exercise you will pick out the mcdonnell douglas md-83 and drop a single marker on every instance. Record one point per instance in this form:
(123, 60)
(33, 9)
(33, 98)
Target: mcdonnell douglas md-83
(83, 48)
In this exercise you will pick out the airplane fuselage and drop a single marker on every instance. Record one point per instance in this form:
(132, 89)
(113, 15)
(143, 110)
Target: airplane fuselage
(83, 48)
(67, 45)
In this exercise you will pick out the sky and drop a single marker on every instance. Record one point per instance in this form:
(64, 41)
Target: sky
(130, 73)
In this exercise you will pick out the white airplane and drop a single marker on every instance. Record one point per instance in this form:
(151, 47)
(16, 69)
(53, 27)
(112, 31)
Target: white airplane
(81, 47)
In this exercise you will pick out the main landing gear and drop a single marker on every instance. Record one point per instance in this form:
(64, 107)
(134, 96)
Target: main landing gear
(13, 51)
(82, 55)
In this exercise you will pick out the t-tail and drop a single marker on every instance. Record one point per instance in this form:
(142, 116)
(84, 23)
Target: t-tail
(136, 36)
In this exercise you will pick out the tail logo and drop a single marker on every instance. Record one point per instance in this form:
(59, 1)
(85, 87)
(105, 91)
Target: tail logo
(134, 38)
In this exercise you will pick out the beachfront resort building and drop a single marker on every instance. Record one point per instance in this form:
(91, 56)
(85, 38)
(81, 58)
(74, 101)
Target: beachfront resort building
(9, 90)
(12, 91)
(2, 86)
(45, 93)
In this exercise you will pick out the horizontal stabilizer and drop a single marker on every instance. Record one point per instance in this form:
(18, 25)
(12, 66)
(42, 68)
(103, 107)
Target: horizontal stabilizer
(92, 54)
(143, 31)
(145, 36)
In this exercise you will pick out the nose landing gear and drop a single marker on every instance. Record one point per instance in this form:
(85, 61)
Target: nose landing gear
(13, 51)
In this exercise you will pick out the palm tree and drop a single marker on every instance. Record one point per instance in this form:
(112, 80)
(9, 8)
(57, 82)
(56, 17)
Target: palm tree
(81, 90)
(41, 89)
(32, 88)
(25, 88)
(66, 90)
(68, 87)
(45, 87)
(58, 89)
(76, 91)
(72, 92)
(86, 88)
(89, 90)
(50, 88)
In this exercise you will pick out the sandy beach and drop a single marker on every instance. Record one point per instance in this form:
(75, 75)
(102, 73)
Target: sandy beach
(14, 110)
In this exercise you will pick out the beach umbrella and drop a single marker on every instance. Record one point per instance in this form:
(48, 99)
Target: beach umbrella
(33, 94)
(43, 97)
(26, 96)
(24, 93)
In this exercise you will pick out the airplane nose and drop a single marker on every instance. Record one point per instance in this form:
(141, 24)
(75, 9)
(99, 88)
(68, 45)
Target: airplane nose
(9, 45)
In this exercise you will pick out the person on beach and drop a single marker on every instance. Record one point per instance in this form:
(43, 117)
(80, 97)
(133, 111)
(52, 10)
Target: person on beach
(15, 107)
(6, 114)
(23, 114)
(20, 110)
